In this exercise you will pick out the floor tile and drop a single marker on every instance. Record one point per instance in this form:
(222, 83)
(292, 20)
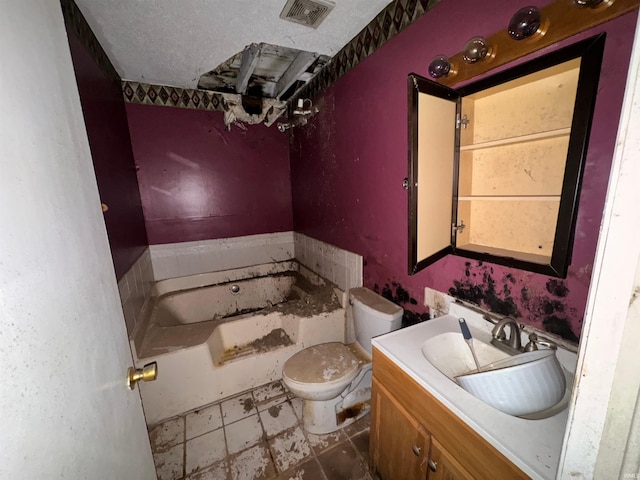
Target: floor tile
(252, 464)
(218, 471)
(165, 435)
(169, 463)
(361, 442)
(203, 420)
(205, 450)
(243, 434)
(319, 443)
(343, 463)
(278, 418)
(238, 408)
(309, 470)
(266, 392)
(296, 403)
(289, 448)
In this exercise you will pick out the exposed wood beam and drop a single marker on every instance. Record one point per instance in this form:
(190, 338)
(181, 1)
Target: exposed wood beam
(250, 57)
(302, 61)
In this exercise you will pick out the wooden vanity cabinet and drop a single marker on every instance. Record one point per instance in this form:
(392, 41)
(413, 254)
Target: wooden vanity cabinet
(495, 166)
(414, 437)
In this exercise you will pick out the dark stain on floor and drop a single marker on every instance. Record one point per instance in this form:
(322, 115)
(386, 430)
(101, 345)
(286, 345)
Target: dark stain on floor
(275, 410)
(248, 404)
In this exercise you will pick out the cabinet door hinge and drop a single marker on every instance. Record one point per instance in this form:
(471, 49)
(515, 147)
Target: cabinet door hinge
(464, 121)
(458, 228)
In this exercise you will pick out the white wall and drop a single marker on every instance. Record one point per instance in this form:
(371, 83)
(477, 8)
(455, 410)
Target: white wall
(65, 409)
(599, 442)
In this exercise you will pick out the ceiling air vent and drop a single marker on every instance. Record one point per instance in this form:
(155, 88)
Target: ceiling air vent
(307, 12)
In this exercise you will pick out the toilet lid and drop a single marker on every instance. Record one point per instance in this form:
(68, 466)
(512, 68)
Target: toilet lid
(324, 363)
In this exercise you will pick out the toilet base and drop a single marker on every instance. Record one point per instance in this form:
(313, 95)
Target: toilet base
(322, 417)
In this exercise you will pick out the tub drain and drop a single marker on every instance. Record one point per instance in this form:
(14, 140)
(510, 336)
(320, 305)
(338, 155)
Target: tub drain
(235, 288)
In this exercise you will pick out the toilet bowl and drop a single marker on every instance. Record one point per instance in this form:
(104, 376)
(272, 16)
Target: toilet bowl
(334, 379)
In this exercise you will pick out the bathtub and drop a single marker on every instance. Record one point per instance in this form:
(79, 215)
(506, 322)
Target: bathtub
(217, 334)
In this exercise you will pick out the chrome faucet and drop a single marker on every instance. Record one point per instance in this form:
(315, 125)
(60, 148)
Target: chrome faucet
(510, 344)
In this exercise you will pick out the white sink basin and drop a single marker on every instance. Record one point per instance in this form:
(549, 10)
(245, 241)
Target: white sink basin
(450, 354)
(446, 349)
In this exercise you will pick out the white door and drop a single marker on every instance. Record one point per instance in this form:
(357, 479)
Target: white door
(64, 407)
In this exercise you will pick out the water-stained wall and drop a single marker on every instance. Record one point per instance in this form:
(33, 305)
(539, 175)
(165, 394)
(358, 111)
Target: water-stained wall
(199, 181)
(349, 161)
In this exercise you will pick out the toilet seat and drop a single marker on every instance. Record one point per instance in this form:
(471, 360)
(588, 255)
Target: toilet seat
(324, 365)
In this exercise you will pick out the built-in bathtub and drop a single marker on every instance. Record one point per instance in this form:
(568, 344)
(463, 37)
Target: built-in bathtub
(217, 334)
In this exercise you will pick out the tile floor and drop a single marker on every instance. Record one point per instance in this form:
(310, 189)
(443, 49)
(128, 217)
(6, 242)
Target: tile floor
(257, 435)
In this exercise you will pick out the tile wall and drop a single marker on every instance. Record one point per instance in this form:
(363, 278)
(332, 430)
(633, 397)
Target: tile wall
(340, 266)
(190, 258)
(135, 288)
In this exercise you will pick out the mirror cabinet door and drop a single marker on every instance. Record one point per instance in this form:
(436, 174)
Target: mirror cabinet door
(518, 152)
(432, 140)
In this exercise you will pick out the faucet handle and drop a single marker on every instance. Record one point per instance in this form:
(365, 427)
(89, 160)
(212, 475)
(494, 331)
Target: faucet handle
(531, 345)
(534, 341)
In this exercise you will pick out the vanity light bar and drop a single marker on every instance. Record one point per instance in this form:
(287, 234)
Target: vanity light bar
(530, 29)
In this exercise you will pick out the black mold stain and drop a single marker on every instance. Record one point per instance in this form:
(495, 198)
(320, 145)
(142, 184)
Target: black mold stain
(557, 288)
(559, 326)
(411, 318)
(478, 285)
(402, 296)
(485, 292)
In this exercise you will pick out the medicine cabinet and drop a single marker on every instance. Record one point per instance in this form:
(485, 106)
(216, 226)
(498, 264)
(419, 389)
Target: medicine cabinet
(495, 166)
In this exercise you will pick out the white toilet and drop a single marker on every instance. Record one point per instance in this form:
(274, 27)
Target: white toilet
(333, 379)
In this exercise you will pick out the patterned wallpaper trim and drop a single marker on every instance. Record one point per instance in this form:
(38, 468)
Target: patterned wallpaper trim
(75, 21)
(398, 15)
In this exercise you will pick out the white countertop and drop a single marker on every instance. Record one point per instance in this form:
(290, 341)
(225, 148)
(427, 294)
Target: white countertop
(532, 445)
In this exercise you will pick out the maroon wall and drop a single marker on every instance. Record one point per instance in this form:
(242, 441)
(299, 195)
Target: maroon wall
(349, 161)
(106, 122)
(199, 181)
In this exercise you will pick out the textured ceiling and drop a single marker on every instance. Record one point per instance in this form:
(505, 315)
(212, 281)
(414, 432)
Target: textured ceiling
(173, 42)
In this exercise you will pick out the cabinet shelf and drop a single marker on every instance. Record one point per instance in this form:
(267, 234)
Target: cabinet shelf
(512, 198)
(519, 139)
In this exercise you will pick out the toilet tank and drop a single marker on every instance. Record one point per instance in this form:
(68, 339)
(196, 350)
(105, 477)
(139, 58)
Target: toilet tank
(372, 315)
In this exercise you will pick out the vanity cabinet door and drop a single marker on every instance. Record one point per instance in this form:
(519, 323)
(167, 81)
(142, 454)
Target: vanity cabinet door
(399, 444)
(495, 167)
(442, 465)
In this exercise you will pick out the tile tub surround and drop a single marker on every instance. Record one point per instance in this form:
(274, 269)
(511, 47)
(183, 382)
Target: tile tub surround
(172, 260)
(341, 267)
(135, 289)
(257, 435)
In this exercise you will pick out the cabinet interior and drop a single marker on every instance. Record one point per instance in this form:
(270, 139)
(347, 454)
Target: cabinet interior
(512, 160)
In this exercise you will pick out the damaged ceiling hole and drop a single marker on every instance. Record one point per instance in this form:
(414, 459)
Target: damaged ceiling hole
(257, 82)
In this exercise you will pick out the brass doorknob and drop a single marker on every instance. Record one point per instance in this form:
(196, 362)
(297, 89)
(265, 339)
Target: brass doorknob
(148, 373)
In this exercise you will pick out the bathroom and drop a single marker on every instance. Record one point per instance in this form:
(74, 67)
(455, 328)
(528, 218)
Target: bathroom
(183, 195)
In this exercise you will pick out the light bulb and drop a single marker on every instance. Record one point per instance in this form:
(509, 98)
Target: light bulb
(524, 23)
(475, 49)
(439, 67)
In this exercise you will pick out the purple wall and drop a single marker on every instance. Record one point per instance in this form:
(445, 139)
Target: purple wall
(199, 181)
(349, 161)
(106, 122)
